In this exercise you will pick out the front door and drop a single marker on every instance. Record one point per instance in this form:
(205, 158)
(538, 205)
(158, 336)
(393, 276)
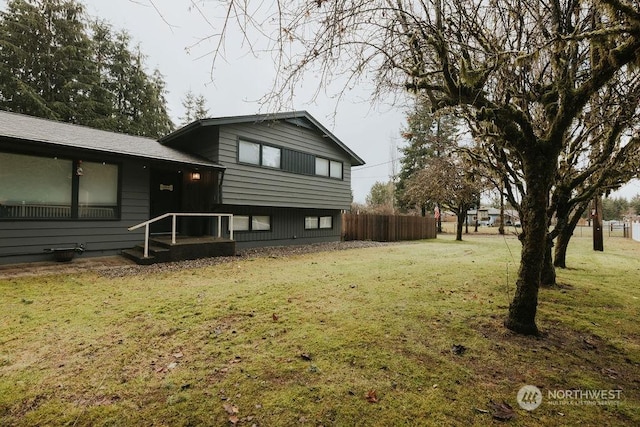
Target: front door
(166, 196)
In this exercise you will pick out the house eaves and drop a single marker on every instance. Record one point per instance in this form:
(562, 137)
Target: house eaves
(66, 135)
(296, 118)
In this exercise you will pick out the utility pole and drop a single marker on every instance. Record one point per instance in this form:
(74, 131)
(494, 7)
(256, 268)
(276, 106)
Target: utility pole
(596, 215)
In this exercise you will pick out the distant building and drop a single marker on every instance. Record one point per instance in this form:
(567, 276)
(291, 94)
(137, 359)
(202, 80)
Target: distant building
(491, 217)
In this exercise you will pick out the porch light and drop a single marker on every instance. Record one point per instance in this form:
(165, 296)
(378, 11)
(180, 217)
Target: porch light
(195, 176)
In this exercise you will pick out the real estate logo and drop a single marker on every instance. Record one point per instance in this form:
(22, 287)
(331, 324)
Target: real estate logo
(529, 397)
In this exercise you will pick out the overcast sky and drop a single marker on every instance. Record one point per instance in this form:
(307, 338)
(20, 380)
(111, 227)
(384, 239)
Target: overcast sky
(167, 34)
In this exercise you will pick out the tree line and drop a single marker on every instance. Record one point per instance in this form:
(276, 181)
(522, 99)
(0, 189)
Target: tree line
(58, 63)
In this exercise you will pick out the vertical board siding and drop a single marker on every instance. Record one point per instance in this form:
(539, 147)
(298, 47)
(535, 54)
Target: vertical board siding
(387, 228)
(26, 240)
(287, 226)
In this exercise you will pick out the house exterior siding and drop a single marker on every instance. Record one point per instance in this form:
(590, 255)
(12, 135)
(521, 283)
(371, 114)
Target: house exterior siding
(287, 226)
(262, 186)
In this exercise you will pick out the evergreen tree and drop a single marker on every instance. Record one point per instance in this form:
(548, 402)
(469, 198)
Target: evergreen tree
(56, 65)
(200, 111)
(195, 108)
(155, 119)
(189, 105)
(45, 65)
(428, 136)
(103, 49)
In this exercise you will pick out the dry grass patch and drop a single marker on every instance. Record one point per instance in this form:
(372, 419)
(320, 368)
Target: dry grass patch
(357, 337)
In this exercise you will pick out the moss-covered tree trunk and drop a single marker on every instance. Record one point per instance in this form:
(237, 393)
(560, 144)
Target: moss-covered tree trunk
(560, 258)
(461, 214)
(548, 273)
(538, 173)
(564, 236)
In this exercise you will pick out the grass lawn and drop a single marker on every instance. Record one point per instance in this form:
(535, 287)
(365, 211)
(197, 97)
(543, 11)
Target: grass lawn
(407, 334)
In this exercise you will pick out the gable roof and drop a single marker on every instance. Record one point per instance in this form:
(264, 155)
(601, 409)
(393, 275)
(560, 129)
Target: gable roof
(297, 118)
(50, 132)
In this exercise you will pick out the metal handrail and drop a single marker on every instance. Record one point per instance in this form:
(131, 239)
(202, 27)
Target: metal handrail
(174, 216)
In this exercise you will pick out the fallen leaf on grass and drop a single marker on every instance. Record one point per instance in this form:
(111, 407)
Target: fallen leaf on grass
(305, 356)
(231, 409)
(275, 317)
(371, 396)
(588, 344)
(502, 411)
(233, 419)
(611, 373)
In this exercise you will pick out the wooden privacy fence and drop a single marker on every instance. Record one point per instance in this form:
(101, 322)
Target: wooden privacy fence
(387, 228)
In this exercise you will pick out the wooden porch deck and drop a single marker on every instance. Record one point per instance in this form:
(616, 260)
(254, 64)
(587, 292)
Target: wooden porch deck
(186, 247)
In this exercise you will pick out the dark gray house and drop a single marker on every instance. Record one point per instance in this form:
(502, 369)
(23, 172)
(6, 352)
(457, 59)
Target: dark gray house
(284, 177)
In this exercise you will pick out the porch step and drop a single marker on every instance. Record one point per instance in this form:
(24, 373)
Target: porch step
(156, 254)
(185, 248)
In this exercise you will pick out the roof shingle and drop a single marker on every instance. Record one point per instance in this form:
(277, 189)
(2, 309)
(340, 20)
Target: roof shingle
(20, 126)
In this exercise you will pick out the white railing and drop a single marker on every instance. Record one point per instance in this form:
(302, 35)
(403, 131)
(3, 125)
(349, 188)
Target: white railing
(40, 211)
(174, 217)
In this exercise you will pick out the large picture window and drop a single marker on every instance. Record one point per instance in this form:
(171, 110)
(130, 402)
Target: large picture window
(34, 187)
(98, 190)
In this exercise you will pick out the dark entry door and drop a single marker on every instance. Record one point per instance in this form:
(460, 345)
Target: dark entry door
(166, 196)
